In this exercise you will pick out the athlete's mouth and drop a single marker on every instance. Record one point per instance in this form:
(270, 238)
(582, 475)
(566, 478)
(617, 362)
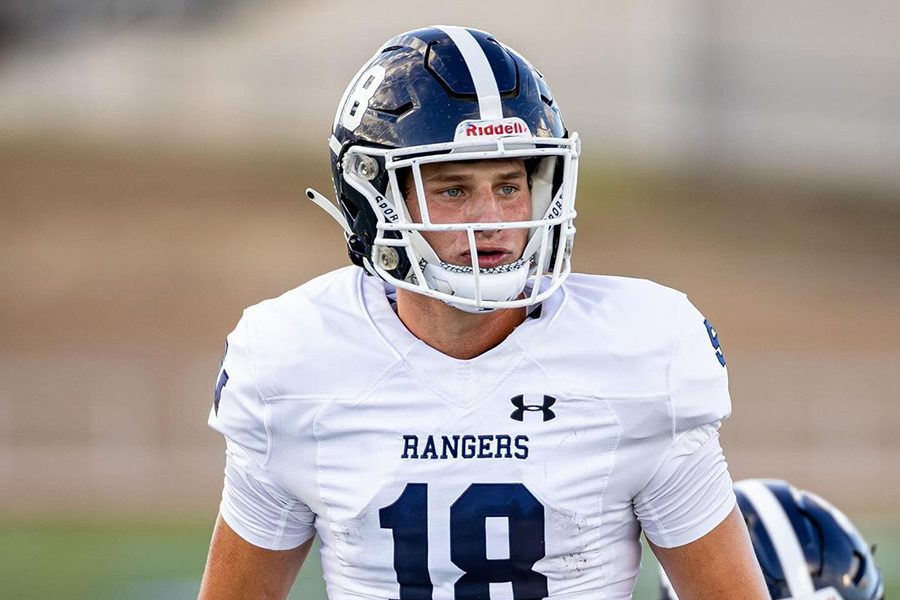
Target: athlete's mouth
(488, 257)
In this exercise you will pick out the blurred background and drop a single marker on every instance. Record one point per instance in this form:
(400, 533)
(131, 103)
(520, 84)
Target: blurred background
(153, 157)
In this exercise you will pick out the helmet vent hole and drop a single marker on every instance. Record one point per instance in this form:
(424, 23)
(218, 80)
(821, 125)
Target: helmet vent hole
(857, 572)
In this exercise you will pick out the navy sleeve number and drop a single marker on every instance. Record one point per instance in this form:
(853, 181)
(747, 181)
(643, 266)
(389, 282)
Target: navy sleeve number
(407, 518)
(714, 340)
(222, 380)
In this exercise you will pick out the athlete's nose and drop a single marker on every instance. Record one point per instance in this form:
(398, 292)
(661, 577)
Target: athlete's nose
(486, 207)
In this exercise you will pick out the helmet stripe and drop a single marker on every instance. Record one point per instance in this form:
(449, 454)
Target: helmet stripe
(667, 589)
(480, 69)
(781, 532)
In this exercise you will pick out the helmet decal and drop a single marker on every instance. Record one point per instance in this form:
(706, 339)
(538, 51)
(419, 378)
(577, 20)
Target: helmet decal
(513, 126)
(358, 101)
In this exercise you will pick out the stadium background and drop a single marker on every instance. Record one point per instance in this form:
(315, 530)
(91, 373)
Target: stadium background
(153, 157)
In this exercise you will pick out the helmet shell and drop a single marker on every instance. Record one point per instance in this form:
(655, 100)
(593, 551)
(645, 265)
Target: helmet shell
(835, 552)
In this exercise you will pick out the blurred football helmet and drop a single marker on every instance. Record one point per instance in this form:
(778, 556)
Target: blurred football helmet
(807, 548)
(442, 94)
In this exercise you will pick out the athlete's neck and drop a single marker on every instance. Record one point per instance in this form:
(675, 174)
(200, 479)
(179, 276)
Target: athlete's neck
(454, 332)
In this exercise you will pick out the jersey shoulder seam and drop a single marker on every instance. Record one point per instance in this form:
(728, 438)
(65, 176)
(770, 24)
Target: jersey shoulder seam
(251, 350)
(679, 318)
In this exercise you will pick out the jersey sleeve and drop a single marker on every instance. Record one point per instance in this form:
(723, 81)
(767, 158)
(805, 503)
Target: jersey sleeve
(239, 412)
(698, 378)
(691, 490)
(257, 508)
(254, 504)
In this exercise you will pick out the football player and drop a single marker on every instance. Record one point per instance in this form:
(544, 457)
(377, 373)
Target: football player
(808, 549)
(456, 417)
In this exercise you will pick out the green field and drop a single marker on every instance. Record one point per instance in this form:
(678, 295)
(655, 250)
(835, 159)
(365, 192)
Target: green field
(151, 562)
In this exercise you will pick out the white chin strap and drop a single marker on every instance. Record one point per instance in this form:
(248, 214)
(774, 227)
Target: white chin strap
(494, 287)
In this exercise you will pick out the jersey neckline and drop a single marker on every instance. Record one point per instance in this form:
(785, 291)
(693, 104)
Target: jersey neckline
(375, 304)
(461, 382)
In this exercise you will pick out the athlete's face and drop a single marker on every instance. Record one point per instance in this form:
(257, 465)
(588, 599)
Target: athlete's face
(487, 191)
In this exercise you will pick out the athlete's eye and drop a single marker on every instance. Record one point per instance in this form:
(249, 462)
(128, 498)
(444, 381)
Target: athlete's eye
(452, 192)
(507, 190)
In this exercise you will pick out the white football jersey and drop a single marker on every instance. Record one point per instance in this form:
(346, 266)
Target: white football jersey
(525, 473)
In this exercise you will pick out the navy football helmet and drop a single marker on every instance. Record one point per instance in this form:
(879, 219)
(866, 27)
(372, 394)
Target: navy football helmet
(807, 548)
(443, 94)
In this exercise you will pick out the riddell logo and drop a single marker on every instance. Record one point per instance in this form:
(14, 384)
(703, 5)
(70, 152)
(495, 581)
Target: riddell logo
(513, 127)
(495, 129)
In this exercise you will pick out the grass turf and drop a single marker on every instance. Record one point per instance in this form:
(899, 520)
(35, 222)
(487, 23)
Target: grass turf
(48, 561)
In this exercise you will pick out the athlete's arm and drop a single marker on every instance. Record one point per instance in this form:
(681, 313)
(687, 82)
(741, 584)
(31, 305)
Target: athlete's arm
(721, 564)
(238, 570)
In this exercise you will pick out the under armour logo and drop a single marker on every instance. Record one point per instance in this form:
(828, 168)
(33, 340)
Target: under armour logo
(521, 407)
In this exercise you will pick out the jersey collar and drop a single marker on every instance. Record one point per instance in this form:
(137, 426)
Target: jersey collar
(458, 381)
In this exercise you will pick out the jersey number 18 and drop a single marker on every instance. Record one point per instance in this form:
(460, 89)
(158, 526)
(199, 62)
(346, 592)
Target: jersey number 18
(407, 518)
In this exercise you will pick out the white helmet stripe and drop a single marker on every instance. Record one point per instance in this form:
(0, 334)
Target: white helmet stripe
(667, 585)
(485, 83)
(780, 530)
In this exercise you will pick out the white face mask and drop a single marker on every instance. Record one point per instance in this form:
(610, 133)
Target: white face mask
(547, 253)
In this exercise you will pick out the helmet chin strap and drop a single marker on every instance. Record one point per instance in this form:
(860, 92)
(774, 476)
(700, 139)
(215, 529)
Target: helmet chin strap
(329, 207)
(501, 286)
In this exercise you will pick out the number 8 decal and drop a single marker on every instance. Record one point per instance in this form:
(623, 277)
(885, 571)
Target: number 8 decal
(407, 518)
(357, 103)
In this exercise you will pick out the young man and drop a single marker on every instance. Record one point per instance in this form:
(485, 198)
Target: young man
(459, 418)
